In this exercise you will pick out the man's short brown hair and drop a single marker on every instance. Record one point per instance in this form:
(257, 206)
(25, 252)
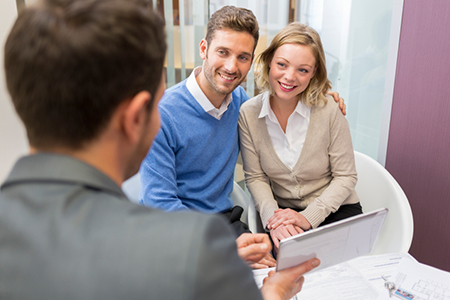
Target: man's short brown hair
(234, 18)
(69, 64)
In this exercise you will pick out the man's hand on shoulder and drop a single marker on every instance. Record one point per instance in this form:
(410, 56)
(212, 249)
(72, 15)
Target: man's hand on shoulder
(336, 97)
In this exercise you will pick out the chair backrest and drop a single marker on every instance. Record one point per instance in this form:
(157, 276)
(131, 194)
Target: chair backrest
(250, 216)
(377, 188)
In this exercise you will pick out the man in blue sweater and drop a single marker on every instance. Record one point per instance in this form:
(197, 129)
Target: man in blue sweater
(192, 161)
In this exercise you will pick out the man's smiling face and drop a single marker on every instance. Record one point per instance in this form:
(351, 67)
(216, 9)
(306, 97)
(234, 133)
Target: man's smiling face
(226, 62)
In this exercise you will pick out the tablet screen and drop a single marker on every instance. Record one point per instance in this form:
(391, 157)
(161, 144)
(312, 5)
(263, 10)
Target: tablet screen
(333, 243)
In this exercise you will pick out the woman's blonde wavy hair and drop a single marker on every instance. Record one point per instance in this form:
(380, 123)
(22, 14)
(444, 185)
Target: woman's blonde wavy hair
(296, 33)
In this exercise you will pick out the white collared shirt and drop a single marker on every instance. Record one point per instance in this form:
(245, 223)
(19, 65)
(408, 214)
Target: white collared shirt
(289, 145)
(196, 91)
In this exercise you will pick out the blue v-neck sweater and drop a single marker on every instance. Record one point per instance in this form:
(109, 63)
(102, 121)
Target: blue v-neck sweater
(192, 160)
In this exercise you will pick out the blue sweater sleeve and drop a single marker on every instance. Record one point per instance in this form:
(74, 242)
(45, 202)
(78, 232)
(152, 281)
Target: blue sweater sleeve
(158, 174)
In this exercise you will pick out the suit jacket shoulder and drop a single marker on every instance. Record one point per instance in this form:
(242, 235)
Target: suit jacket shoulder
(68, 232)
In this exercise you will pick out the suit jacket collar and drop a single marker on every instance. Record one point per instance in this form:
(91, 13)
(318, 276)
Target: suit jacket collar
(49, 167)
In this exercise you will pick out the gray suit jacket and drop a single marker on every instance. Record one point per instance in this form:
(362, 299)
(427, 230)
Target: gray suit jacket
(67, 231)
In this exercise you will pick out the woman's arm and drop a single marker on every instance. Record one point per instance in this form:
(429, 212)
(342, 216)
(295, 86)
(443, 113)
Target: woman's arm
(257, 181)
(342, 164)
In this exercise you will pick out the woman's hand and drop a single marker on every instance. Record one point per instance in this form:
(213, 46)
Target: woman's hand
(288, 217)
(282, 232)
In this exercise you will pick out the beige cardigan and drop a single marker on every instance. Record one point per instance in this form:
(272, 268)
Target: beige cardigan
(324, 176)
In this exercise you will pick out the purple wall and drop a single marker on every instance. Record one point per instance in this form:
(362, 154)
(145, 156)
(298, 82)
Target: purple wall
(418, 153)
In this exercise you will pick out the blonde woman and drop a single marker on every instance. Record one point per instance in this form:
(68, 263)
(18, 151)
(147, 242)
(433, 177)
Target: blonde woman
(295, 142)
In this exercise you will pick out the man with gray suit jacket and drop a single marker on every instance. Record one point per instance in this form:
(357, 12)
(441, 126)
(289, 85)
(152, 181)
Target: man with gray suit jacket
(85, 77)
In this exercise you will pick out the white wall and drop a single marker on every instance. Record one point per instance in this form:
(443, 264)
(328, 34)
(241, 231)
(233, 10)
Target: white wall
(13, 141)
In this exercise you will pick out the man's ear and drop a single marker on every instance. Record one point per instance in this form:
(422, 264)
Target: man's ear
(203, 49)
(135, 118)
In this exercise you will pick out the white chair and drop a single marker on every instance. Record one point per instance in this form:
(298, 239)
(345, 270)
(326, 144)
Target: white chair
(377, 188)
(250, 216)
(132, 186)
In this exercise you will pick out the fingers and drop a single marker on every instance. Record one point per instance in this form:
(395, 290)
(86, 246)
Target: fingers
(274, 216)
(296, 273)
(259, 266)
(247, 239)
(261, 238)
(288, 282)
(300, 221)
(342, 106)
(279, 234)
(280, 221)
(305, 267)
(254, 252)
(276, 242)
(266, 262)
(270, 274)
(291, 230)
(299, 230)
(277, 213)
(336, 98)
(278, 218)
(253, 248)
(334, 94)
(289, 222)
(276, 223)
(301, 281)
(282, 232)
(275, 239)
(288, 217)
(243, 240)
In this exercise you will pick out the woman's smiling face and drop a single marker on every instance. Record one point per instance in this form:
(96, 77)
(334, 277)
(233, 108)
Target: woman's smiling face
(291, 69)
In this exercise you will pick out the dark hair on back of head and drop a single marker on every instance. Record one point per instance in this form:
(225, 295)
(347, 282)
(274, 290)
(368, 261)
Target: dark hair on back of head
(69, 64)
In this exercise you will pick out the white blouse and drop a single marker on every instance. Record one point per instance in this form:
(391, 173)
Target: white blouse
(289, 145)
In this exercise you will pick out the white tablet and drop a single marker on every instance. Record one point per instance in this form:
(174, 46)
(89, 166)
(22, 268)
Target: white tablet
(333, 243)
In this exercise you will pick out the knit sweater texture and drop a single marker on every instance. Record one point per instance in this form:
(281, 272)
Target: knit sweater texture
(192, 160)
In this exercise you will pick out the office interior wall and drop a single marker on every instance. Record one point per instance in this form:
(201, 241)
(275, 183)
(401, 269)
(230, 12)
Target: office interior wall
(12, 134)
(419, 138)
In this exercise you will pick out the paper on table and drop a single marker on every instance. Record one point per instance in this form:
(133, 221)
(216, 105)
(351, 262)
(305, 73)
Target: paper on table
(359, 278)
(416, 281)
(372, 267)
